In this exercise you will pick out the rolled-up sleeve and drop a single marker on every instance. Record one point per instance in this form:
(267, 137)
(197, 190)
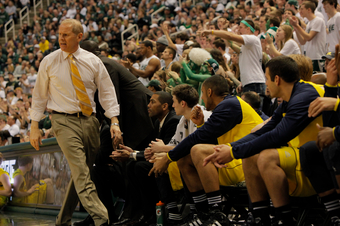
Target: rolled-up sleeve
(40, 93)
(106, 92)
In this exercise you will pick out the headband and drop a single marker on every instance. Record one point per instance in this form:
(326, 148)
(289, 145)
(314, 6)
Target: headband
(248, 25)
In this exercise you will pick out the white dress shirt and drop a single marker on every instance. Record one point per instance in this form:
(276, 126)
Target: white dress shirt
(54, 87)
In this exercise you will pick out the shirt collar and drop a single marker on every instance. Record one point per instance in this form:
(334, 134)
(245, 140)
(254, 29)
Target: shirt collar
(76, 54)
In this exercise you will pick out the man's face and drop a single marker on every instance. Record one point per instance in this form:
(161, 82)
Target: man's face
(155, 107)
(303, 11)
(166, 54)
(177, 106)
(206, 99)
(328, 8)
(68, 40)
(143, 49)
(262, 23)
(272, 87)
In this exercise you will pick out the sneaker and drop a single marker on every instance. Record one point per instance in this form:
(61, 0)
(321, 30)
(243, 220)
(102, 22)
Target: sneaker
(217, 218)
(197, 219)
(335, 221)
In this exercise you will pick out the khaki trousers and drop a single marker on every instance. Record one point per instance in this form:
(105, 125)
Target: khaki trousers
(79, 140)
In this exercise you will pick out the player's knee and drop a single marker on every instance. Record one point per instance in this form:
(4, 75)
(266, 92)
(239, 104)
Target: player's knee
(267, 159)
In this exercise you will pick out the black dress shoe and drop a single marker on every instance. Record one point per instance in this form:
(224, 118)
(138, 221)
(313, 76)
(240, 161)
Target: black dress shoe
(122, 221)
(86, 222)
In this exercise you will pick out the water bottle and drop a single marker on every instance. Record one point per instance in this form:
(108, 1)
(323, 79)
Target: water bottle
(159, 213)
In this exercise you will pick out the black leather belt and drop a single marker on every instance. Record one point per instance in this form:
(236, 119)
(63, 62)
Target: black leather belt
(78, 114)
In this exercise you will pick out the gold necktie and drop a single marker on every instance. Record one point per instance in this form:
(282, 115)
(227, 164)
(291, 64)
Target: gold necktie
(84, 100)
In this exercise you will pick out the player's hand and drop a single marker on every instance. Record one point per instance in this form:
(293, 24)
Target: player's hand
(325, 137)
(197, 116)
(160, 166)
(220, 157)
(157, 146)
(35, 138)
(157, 156)
(321, 104)
(148, 154)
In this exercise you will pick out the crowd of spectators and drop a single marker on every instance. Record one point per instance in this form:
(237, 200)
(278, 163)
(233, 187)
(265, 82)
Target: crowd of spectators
(282, 26)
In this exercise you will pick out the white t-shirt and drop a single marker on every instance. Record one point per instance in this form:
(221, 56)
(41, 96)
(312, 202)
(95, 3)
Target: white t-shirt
(6, 127)
(290, 47)
(251, 61)
(185, 128)
(333, 36)
(14, 130)
(179, 51)
(142, 66)
(32, 79)
(316, 48)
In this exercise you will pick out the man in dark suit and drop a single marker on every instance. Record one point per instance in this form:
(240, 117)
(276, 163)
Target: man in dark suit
(135, 123)
(145, 194)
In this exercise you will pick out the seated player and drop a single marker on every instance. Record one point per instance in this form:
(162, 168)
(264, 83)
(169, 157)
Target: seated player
(270, 165)
(232, 119)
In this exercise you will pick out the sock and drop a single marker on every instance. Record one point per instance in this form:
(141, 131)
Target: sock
(200, 200)
(285, 214)
(192, 208)
(173, 211)
(214, 200)
(261, 210)
(332, 204)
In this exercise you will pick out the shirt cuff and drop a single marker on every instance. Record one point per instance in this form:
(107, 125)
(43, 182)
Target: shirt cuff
(336, 104)
(169, 157)
(199, 126)
(112, 112)
(231, 150)
(36, 116)
(133, 155)
(328, 85)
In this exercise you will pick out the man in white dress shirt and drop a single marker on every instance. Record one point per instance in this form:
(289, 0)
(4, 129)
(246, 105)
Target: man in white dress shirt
(66, 83)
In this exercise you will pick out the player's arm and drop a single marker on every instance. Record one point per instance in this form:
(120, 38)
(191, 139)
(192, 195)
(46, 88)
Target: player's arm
(153, 66)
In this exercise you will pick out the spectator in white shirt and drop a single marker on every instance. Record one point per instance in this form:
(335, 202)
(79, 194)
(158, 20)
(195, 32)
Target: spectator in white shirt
(13, 127)
(32, 77)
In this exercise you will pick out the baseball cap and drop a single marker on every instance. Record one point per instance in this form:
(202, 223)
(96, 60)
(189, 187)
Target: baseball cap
(189, 43)
(36, 46)
(213, 63)
(53, 37)
(329, 55)
(156, 84)
(163, 40)
(178, 9)
(167, 8)
(294, 3)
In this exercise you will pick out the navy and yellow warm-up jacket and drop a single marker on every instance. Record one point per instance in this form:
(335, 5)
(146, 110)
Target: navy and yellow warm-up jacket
(231, 120)
(290, 124)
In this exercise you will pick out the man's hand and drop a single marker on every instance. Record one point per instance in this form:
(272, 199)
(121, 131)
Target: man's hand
(160, 166)
(148, 154)
(321, 104)
(293, 21)
(123, 154)
(157, 156)
(116, 135)
(203, 33)
(239, 88)
(325, 137)
(332, 73)
(197, 116)
(35, 136)
(220, 157)
(127, 63)
(165, 28)
(157, 146)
